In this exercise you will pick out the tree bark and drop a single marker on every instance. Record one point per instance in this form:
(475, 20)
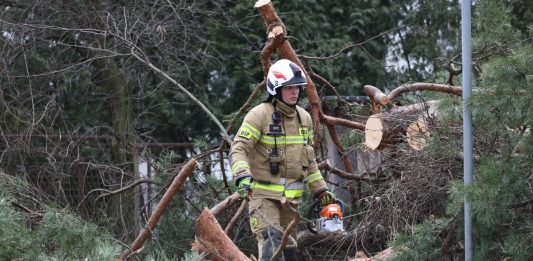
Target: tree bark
(176, 185)
(211, 239)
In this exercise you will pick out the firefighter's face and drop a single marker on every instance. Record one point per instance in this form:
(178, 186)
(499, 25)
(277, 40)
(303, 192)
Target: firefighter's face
(290, 93)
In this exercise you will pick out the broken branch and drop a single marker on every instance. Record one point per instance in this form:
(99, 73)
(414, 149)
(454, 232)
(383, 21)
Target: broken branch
(378, 98)
(176, 185)
(211, 239)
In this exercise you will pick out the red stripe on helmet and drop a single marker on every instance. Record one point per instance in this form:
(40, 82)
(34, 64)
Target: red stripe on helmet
(279, 75)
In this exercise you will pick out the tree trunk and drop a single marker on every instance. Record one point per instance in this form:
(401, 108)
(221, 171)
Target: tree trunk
(121, 108)
(381, 130)
(115, 81)
(384, 129)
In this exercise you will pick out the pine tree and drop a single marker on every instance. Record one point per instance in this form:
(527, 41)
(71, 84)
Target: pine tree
(500, 196)
(54, 234)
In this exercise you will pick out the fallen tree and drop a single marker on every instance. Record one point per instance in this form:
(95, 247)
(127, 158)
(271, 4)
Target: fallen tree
(386, 128)
(217, 243)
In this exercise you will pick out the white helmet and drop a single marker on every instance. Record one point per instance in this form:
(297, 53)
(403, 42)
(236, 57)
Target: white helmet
(283, 73)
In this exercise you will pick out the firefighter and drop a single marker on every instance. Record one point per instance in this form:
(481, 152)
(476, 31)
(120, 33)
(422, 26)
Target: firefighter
(272, 157)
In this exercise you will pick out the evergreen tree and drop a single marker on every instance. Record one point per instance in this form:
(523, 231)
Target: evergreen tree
(53, 234)
(501, 193)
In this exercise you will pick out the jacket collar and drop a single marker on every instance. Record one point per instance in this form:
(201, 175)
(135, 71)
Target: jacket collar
(287, 110)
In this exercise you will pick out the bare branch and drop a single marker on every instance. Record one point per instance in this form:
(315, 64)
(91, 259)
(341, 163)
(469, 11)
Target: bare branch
(378, 98)
(126, 188)
(223, 205)
(365, 176)
(347, 48)
(205, 109)
(211, 239)
(235, 217)
(247, 104)
(286, 204)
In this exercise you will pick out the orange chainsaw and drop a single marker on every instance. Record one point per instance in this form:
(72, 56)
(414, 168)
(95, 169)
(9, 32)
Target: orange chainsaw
(327, 219)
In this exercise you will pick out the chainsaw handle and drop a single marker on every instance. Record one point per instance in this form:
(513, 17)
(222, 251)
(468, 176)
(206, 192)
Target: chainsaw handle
(341, 203)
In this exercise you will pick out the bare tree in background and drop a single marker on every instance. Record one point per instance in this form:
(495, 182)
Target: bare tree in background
(74, 100)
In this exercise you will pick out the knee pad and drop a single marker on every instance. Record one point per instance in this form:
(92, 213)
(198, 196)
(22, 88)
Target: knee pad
(272, 242)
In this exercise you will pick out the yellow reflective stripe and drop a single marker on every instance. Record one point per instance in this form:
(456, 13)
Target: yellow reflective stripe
(245, 181)
(294, 193)
(315, 176)
(251, 129)
(312, 175)
(283, 140)
(272, 187)
(291, 193)
(239, 164)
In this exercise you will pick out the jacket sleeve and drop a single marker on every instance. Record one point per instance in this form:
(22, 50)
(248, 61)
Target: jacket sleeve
(314, 180)
(243, 144)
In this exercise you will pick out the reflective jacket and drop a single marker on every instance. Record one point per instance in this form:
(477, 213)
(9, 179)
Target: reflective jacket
(254, 142)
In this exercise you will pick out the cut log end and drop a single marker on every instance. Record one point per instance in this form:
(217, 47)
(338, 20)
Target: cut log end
(260, 3)
(373, 132)
(417, 134)
(277, 30)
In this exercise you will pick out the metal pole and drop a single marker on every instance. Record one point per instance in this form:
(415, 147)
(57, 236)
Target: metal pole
(466, 45)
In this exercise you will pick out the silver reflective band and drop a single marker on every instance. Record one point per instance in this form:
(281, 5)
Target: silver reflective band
(295, 185)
